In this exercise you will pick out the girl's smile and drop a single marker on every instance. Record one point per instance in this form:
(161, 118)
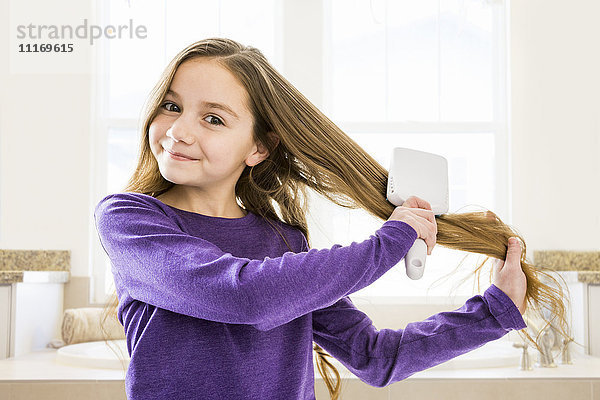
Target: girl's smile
(179, 157)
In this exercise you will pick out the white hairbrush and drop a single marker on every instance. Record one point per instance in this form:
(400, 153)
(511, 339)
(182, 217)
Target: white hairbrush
(424, 175)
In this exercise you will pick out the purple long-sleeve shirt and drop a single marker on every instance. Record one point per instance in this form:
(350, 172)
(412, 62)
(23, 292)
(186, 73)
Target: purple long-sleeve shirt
(220, 308)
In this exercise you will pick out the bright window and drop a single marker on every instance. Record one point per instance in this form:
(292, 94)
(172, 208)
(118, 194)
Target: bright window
(426, 74)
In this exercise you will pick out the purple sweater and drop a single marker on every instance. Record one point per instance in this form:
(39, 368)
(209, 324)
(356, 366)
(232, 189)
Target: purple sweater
(220, 308)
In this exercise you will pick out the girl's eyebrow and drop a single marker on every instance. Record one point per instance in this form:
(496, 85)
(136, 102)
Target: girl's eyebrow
(210, 104)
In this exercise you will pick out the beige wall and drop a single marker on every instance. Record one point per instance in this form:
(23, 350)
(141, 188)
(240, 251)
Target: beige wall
(45, 200)
(45, 196)
(555, 123)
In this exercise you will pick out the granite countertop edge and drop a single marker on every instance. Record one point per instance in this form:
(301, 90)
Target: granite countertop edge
(585, 263)
(35, 260)
(563, 260)
(10, 277)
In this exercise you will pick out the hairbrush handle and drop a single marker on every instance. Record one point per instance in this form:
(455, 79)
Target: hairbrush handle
(415, 259)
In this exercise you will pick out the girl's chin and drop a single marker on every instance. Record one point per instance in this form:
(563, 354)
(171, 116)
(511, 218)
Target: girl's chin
(176, 173)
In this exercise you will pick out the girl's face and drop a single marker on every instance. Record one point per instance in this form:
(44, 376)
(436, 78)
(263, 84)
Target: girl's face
(204, 117)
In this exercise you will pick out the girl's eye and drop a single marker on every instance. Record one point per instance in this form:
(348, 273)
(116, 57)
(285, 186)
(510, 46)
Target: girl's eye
(215, 118)
(165, 105)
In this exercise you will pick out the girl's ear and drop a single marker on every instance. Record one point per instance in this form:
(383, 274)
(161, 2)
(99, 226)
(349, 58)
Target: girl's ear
(262, 150)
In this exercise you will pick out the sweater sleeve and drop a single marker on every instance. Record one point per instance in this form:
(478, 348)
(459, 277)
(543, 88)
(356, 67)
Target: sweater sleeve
(155, 262)
(364, 282)
(382, 357)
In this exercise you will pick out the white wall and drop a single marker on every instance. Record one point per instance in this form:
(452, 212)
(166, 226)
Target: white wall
(45, 201)
(555, 124)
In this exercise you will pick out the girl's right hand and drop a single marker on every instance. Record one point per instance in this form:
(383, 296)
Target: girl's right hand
(417, 213)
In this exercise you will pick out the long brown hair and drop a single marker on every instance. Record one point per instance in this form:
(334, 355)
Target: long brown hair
(314, 153)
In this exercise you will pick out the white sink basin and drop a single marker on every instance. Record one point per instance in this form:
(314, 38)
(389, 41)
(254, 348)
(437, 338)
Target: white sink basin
(95, 354)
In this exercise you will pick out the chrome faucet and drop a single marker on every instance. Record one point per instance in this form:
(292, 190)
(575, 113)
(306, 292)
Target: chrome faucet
(566, 352)
(545, 357)
(525, 360)
(548, 337)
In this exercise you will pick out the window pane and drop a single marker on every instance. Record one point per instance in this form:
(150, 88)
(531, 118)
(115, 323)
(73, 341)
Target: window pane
(122, 156)
(466, 61)
(189, 21)
(134, 65)
(358, 62)
(427, 60)
(252, 23)
(413, 60)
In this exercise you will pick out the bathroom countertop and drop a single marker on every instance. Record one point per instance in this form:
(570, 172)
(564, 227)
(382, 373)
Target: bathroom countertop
(583, 367)
(42, 366)
(9, 277)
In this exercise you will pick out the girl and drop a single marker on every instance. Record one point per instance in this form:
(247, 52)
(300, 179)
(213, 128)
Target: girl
(221, 298)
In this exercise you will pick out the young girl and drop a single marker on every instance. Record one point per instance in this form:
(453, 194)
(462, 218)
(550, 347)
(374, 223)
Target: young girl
(221, 298)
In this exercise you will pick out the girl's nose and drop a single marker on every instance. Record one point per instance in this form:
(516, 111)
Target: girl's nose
(178, 134)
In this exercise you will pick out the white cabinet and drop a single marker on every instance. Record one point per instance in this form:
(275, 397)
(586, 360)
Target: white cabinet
(5, 315)
(31, 312)
(583, 313)
(594, 320)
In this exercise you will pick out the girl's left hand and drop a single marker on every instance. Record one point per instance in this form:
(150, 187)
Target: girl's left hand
(509, 277)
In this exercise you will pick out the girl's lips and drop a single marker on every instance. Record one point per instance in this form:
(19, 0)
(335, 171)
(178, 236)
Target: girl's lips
(180, 158)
